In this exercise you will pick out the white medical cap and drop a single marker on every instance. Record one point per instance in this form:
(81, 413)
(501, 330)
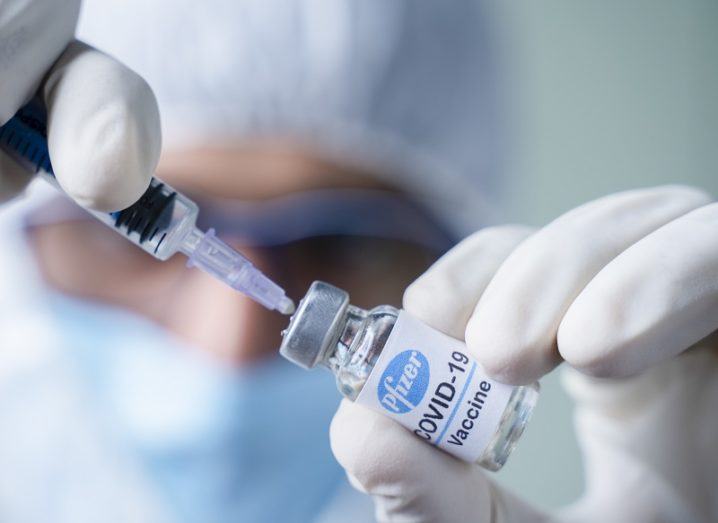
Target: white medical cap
(403, 88)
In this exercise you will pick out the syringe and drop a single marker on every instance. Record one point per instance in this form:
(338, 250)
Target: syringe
(162, 221)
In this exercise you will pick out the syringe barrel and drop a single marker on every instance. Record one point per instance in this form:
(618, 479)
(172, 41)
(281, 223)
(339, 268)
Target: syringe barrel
(157, 222)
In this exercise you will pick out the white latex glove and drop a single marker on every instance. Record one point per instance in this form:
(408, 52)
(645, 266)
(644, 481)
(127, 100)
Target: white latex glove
(648, 445)
(103, 121)
(648, 442)
(410, 480)
(631, 279)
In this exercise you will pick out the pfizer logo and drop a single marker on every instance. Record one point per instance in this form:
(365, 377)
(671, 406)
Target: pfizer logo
(404, 382)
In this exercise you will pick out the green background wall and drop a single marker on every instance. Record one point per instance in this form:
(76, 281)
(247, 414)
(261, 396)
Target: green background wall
(603, 96)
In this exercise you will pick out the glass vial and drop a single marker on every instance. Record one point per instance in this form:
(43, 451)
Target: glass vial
(395, 364)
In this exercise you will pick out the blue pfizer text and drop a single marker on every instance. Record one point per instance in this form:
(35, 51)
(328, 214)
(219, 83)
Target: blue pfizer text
(404, 382)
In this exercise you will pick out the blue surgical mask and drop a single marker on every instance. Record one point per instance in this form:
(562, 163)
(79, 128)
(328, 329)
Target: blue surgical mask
(217, 444)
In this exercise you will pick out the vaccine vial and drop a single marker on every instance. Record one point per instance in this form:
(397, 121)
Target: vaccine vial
(393, 363)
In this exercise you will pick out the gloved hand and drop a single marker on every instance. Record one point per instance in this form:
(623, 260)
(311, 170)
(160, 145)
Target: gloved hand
(613, 287)
(103, 121)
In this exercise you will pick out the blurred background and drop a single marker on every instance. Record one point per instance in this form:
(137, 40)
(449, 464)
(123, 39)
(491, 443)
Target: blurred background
(590, 99)
(604, 96)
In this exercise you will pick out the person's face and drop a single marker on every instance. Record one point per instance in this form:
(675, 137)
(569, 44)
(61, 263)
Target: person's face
(83, 258)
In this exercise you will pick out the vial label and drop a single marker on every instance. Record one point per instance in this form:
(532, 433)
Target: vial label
(426, 381)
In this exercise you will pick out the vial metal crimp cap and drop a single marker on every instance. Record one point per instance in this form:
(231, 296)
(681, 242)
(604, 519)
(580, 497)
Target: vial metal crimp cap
(314, 327)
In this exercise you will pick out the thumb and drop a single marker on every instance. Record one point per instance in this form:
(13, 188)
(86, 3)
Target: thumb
(104, 132)
(410, 480)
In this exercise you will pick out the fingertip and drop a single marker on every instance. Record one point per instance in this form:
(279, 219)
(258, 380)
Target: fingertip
(429, 300)
(507, 350)
(611, 330)
(586, 358)
(445, 295)
(504, 364)
(582, 346)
